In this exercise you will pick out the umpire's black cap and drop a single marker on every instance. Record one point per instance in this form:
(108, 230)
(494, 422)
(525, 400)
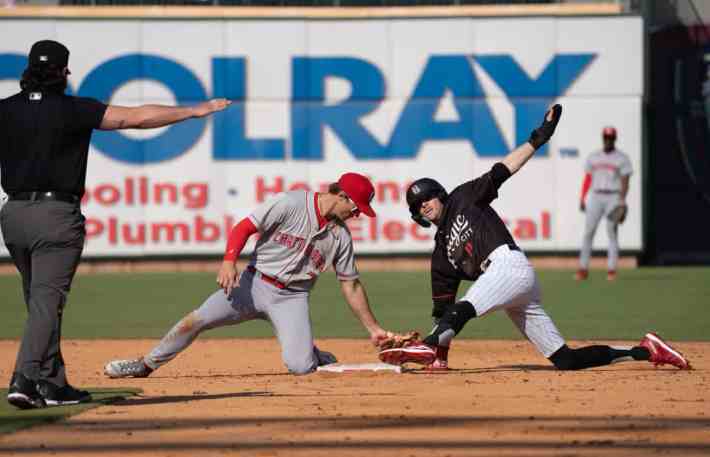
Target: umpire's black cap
(49, 52)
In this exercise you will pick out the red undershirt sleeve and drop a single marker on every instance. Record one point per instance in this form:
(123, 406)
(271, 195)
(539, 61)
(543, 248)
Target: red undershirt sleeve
(586, 184)
(238, 238)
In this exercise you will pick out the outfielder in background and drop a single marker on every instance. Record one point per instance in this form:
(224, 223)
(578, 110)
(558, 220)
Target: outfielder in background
(607, 174)
(301, 234)
(44, 147)
(472, 243)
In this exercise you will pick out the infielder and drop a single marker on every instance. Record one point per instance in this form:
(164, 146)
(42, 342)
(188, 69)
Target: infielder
(301, 234)
(607, 173)
(472, 243)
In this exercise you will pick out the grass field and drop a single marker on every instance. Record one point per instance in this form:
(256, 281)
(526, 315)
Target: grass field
(672, 301)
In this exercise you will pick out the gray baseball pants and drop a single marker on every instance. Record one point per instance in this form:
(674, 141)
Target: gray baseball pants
(286, 310)
(600, 205)
(45, 240)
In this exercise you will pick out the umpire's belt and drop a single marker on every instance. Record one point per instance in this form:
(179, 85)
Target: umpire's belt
(42, 196)
(487, 262)
(266, 278)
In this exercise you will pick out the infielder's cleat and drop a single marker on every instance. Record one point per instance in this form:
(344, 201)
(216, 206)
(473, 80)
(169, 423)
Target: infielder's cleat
(611, 275)
(324, 357)
(23, 393)
(135, 368)
(415, 353)
(60, 396)
(581, 275)
(662, 352)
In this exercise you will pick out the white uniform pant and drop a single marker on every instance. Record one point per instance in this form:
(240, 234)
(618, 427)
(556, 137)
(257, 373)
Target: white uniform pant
(287, 310)
(509, 283)
(600, 205)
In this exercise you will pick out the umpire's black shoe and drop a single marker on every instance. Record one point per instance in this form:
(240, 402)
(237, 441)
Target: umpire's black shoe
(23, 393)
(59, 396)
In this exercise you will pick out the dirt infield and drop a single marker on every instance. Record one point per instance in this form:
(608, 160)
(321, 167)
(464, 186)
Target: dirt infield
(233, 397)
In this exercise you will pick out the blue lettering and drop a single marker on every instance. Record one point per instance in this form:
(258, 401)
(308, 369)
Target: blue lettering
(310, 113)
(532, 97)
(12, 66)
(229, 129)
(475, 125)
(105, 79)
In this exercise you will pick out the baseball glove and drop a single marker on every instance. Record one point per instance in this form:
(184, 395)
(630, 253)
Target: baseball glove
(618, 214)
(397, 340)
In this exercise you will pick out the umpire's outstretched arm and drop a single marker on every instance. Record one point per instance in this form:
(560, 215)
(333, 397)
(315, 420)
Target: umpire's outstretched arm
(153, 116)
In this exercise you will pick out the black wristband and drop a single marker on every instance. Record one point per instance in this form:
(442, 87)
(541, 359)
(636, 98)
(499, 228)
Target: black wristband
(542, 134)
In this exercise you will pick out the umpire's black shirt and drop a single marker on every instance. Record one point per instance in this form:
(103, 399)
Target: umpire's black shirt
(469, 230)
(44, 141)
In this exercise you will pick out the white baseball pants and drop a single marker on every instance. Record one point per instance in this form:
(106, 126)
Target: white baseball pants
(509, 283)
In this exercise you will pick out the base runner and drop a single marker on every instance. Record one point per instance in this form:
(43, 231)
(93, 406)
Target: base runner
(301, 234)
(473, 243)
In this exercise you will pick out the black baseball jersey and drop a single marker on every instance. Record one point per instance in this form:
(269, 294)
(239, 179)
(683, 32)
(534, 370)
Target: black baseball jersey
(44, 141)
(469, 230)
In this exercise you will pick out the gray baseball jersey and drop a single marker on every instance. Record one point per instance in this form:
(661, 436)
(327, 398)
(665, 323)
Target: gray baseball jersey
(607, 169)
(293, 249)
(291, 246)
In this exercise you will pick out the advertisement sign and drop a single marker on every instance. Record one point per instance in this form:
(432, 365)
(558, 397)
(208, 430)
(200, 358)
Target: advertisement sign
(393, 99)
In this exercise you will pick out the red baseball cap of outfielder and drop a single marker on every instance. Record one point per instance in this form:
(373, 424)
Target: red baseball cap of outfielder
(609, 132)
(360, 190)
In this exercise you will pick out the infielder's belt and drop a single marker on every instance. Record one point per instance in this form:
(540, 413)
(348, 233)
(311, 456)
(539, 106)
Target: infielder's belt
(266, 278)
(487, 263)
(606, 191)
(44, 196)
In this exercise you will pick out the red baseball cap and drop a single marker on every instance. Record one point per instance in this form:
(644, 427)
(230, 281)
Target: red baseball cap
(360, 190)
(609, 131)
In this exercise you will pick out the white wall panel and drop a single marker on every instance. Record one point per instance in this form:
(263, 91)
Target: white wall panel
(228, 178)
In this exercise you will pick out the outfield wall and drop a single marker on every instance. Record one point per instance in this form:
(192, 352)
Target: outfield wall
(395, 98)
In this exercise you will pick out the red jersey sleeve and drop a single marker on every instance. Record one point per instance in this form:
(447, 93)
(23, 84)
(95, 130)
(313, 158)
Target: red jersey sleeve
(238, 238)
(586, 184)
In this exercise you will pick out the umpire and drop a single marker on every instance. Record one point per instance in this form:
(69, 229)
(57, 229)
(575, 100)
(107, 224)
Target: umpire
(44, 145)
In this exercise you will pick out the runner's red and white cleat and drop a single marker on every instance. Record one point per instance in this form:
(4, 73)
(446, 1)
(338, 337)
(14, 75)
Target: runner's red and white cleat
(415, 353)
(662, 352)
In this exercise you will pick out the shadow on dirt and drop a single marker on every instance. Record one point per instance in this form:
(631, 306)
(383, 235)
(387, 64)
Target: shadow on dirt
(240, 434)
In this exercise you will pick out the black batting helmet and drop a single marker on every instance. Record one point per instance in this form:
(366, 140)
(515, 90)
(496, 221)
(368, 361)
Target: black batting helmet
(420, 191)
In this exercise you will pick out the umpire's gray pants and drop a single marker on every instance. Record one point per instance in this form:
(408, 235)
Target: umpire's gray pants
(45, 240)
